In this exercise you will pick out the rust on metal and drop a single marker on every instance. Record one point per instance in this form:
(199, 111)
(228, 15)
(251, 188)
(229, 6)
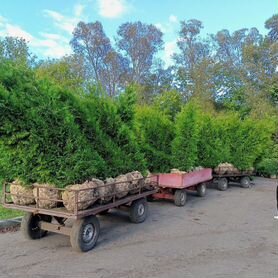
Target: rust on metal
(56, 228)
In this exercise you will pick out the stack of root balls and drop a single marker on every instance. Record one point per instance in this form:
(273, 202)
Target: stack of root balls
(79, 196)
(226, 168)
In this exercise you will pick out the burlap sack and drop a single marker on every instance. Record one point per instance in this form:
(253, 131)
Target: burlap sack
(177, 171)
(136, 181)
(24, 194)
(226, 168)
(47, 193)
(105, 190)
(85, 198)
(122, 186)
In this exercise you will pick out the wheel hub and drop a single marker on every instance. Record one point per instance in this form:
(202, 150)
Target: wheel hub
(88, 233)
(182, 198)
(141, 210)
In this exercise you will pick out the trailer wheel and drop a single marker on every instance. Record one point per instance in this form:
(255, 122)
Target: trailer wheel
(180, 197)
(138, 211)
(222, 184)
(201, 189)
(84, 233)
(245, 182)
(30, 225)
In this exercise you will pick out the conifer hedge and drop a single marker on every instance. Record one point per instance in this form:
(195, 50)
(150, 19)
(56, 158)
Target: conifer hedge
(51, 135)
(155, 132)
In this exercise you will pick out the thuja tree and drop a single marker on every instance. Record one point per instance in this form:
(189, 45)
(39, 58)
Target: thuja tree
(155, 133)
(187, 136)
(41, 142)
(213, 144)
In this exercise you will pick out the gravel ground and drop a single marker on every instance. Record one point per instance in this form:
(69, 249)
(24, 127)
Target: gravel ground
(225, 234)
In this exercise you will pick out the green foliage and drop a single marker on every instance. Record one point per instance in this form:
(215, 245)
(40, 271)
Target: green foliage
(268, 167)
(185, 144)
(214, 141)
(170, 102)
(67, 72)
(154, 133)
(50, 134)
(248, 139)
(228, 138)
(126, 105)
(268, 163)
(39, 138)
(16, 50)
(55, 136)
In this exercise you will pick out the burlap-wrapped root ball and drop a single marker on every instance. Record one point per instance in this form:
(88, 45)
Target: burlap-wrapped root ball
(122, 186)
(148, 181)
(149, 184)
(106, 192)
(177, 171)
(226, 168)
(136, 181)
(86, 197)
(47, 194)
(24, 194)
(249, 171)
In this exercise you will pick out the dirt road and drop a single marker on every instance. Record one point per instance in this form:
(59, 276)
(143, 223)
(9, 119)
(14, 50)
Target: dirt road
(226, 234)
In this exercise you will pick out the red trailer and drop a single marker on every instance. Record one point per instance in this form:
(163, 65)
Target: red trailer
(173, 186)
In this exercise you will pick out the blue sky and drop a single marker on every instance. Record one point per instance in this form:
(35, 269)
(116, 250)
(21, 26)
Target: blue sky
(48, 24)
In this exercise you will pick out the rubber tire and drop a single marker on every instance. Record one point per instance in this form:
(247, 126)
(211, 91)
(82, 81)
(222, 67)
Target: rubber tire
(180, 197)
(222, 184)
(30, 225)
(201, 189)
(135, 215)
(104, 212)
(76, 236)
(245, 182)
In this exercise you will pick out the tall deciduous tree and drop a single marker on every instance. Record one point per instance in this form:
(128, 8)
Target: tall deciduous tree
(139, 42)
(68, 72)
(103, 65)
(193, 59)
(16, 50)
(272, 25)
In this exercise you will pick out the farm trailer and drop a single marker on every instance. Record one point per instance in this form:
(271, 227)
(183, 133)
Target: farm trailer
(173, 186)
(85, 229)
(222, 180)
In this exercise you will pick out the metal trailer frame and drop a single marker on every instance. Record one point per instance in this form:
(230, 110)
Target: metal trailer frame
(38, 221)
(222, 180)
(173, 186)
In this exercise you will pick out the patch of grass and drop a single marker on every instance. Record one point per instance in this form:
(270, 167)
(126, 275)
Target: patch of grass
(7, 213)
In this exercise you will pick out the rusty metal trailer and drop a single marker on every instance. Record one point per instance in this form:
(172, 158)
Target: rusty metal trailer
(222, 180)
(173, 186)
(84, 231)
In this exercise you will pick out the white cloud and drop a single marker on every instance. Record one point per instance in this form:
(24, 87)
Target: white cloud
(112, 8)
(78, 10)
(51, 36)
(169, 49)
(169, 26)
(16, 31)
(173, 18)
(46, 44)
(2, 20)
(64, 23)
(161, 27)
(57, 51)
